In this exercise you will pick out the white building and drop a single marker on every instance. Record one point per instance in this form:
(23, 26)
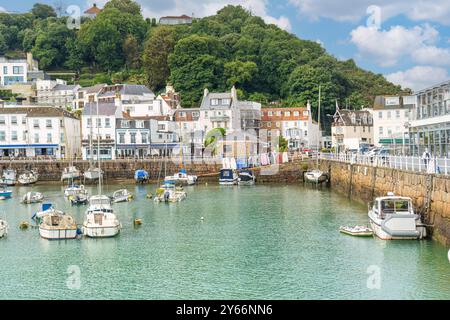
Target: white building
(87, 95)
(39, 131)
(174, 20)
(16, 70)
(391, 120)
(98, 120)
(351, 129)
(56, 93)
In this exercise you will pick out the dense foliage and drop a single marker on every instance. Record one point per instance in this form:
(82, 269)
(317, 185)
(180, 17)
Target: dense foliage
(230, 48)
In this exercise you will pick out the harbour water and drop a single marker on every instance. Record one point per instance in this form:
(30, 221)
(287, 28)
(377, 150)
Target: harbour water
(261, 242)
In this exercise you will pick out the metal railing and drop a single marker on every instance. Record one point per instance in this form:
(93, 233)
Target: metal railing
(432, 165)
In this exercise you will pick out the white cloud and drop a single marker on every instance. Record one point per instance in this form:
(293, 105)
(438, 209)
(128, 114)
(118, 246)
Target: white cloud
(432, 55)
(387, 47)
(156, 8)
(419, 77)
(2, 9)
(353, 11)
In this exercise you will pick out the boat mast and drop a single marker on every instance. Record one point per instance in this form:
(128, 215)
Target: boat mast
(90, 142)
(318, 121)
(98, 155)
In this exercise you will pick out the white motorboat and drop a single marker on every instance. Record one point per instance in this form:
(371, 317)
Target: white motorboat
(183, 178)
(9, 177)
(70, 173)
(393, 217)
(122, 195)
(316, 176)
(93, 173)
(32, 197)
(358, 231)
(76, 194)
(55, 225)
(246, 178)
(3, 228)
(100, 220)
(28, 177)
(169, 192)
(228, 177)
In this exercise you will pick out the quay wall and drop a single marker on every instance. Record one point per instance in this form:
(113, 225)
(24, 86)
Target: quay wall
(430, 192)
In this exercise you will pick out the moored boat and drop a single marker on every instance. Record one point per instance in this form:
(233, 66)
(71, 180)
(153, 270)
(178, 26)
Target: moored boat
(246, 178)
(9, 177)
(100, 220)
(169, 192)
(3, 228)
(56, 225)
(316, 176)
(358, 231)
(93, 173)
(393, 217)
(141, 176)
(228, 177)
(5, 193)
(32, 197)
(122, 195)
(28, 177)
(183, 178)
(70, 173)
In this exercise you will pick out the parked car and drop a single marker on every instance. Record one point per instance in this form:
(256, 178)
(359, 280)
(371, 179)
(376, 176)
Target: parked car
(382, 154)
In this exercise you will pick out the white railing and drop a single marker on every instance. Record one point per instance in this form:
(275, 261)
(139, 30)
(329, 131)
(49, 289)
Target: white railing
(433, 165)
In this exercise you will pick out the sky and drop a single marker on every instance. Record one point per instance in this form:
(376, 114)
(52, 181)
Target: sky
(408, 41)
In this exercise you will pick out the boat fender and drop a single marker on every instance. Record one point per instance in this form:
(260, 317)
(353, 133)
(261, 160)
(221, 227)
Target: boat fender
(79, 232)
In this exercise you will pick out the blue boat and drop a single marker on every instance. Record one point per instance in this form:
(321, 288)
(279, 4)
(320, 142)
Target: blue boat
(141, 176)
(228, 177)
(5, 193)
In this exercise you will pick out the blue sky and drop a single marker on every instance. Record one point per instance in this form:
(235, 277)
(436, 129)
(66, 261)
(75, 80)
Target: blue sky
(408, 41)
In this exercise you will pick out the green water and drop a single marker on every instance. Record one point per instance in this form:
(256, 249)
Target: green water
(262, 242)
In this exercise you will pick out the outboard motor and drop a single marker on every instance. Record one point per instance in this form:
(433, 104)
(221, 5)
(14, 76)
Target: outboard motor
(166, 196)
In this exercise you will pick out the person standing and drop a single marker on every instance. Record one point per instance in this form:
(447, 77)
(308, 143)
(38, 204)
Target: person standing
(426, 157)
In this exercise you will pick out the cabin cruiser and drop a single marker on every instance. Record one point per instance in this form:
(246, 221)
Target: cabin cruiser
(122, 195)
(183, 178)
(246, 178)
(393, 217)
(9, 177)
(316, 176)
(5, 193)
(28, 177)
(228, 177)
(169, 192)
(100, 220)
(93, 173)
(32, 197)
(141, 176)
(70, 173)
(76, 194)
(3, 228)
(55, 225)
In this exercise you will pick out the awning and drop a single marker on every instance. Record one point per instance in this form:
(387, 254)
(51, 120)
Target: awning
(34, 146)
(394, 141)
(164, 145)
(133, 146)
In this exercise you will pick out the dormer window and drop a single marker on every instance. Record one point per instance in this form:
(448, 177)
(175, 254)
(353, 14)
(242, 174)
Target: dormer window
(214, 102)
(226, 102)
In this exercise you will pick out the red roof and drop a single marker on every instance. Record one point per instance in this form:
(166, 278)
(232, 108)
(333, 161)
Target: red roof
(93, 10)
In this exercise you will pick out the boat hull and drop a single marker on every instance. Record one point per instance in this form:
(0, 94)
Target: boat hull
(3, 232)
(57, 234)
(314, 179)
(92, 175)
(101, 232)
(382, 231)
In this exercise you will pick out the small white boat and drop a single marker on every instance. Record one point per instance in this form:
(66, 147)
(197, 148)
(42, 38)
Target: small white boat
(246, 178)
(100, 220)
(392, 217)
(70, 173)
(29, 177)
(5, 193)
(55, 225)
(76, 194)
(32, 197)
(358, 231)
(228, 177)
(183, 178)
(3, 228)
(316, 176)
(122, 195)
(93, 173)
(9, 177)
(168, 192)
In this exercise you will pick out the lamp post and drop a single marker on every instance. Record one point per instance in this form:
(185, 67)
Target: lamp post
(406, 126)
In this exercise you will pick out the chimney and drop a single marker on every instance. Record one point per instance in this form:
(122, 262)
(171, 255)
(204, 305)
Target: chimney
(95, 5)
(308, 107)
(205, 92)
(234, 93)
(30, 61)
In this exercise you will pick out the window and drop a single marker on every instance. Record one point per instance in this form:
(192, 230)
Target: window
(269, 124)
(214, 102)
(144, 137)
(121, 137)
(160, 136)
(380, 114)
(306, 133)
(140, 124)
(99, 122)
(108, 137)
(107, 122)
(161, 127)
(195, 114)
(14, 135)
(17, 70)
(133, 137)
(380, 131)
(36, 138)
(125, 124)
(2, 120)
(296, 113)
(89, 123)
(62, 137)
(364, 128)
(287, 113)
(226, 102)
(278, 113)
(407, 114)
(270, 113)
(48, 123)
(185, 126)
(49, 137)
(389, 131)
(24, 135)
(36, 123)
(2, 136)
(397, 114)
(182, 114)
(13, 120)
(24, 120)
(206, 114)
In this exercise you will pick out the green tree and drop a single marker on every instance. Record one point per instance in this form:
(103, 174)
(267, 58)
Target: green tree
(3, 45)
(131, 51)
(239, 73)
(126, 6)
(158, 46)
(42, 11)
(282, 144)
